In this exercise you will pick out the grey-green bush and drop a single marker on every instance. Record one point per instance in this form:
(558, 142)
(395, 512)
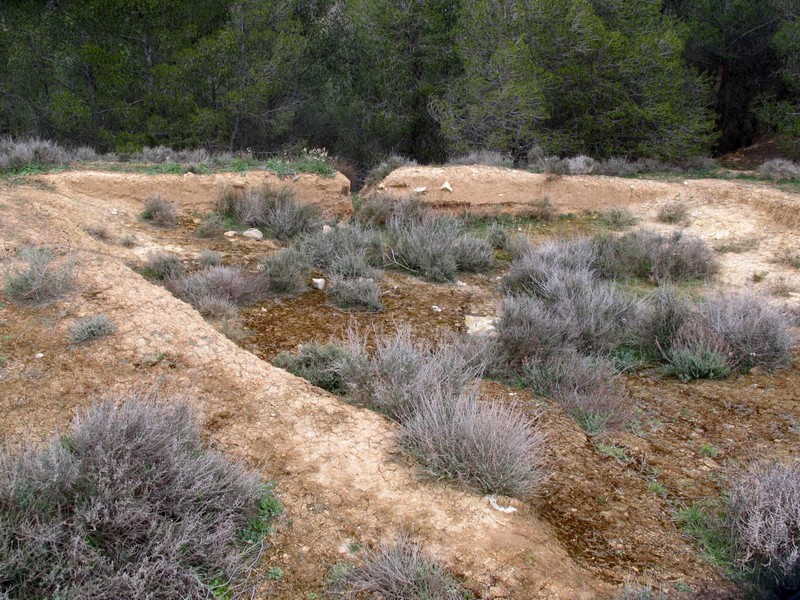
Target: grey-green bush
(162, 266)
(129, 504)
(40, 279)
(91, 328)
(763, 520)
(353, 251)
(697, 353)
(399, 571)
(224, 283)
(209, 258)
(316, 363)
(485, 445)
(355, 294)
(160, 212)
(287, 271)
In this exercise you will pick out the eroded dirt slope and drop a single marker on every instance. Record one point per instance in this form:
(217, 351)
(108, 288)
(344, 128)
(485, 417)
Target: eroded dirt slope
(336, 466)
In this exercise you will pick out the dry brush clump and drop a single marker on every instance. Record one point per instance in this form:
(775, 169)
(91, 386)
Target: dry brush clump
(399, 571)
(316, 363)
(275, 211)
(91, 328)
(160, 212)
(18, 154)
(287, 271)
(674, 213)
(359, 293)
(129, 504)
(385, 167)
(779, 169)
(228, 284)
(41, 279)
(763, 522)
(162, 266)
(347, 252)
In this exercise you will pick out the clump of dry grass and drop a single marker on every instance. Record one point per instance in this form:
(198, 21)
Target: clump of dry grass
(399, 571)
(675, 213)
(162, 266)
(98, 232)
(736, 245)
(359, 293)
(618, 218)
(160, 212)
(41, 278)
(91, 328)
(539, 210)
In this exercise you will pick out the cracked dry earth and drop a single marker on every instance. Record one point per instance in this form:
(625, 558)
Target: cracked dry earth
(337, 470)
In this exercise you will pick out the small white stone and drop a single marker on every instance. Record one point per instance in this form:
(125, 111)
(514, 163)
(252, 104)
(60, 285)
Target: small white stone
(435, 308)
(420, 190)
(230, 234)
(38, 355)
(381, 186)
(685, 183)
(318, 284)
(480, 325)
(326, 229)
(253, 234)
(446, 186)
(114, 211)
(461, 283)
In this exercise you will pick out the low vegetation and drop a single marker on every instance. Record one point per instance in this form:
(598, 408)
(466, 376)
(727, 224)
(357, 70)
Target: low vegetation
(42, 278)
(130, 504)
(276, 212)
(160, 212)
(287, 272)
(398, 571)
(358, 293)
(162, 266)
(674, 213)
(91, 328)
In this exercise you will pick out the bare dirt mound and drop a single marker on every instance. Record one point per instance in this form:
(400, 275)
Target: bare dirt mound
(199, 192)
(337, 469)
(489, 190)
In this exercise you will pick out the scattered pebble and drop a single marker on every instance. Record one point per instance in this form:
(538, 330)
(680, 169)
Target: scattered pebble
(318, 284)
(114, 211)
(420, 190)
(435, 308)
(230, 233)
(446, 186)
(38, 355)
(326, 229)
(461, 284)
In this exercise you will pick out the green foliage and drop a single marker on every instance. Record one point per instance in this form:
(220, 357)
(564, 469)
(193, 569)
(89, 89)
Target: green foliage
(317, 364)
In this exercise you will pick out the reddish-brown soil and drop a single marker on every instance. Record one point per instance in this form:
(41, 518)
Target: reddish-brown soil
(600, 519)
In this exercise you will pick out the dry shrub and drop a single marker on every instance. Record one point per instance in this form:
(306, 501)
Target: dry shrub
(650, 255)
(384, 168)
(224, 283)
(663, 313)
(41, 279)
(287, 271)
(129, 504)
(676, 213)
(160, 212)
(756, 332)
(346, 167)
(618, 218)
(399, 571)
(763, 519)
(788, 258)
(128, 241)
(540, 210)
(490, 158)
(586, 387)
(697, 354)
(535, 265)
(98, 232)
(212, 225)
(736, 245)
(355, 294)
(317, 364)
(277, 212)
(526, 330)
(353, 251)
(20, 153)
(162, 266)
(581, 165)
(91, 328)
(217, 308)
(487, 445)
(376, 209)
(779, 169)
(209, 258)
(245, 206)
(436, 248)
(618, 167)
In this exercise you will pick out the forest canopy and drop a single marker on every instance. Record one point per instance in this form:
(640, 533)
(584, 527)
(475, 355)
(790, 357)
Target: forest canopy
(667, 79)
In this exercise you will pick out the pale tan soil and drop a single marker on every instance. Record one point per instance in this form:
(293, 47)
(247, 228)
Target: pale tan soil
(337, 469)
(199, 192)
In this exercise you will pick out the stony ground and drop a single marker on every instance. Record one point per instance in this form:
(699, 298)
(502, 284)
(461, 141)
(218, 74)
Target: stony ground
(602, 519)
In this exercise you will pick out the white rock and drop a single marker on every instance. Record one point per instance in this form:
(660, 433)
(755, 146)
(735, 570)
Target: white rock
(230, 234)
(480, 325)
(435, 308)
(446, 186)
(114, 211)
(253, 234)
(318, 284)
(326, 229)
(381, 186)
(461, 283)
(38, 355)
(420, 190)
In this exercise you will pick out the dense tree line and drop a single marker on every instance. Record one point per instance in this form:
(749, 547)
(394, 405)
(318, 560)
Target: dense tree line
(424, 78)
